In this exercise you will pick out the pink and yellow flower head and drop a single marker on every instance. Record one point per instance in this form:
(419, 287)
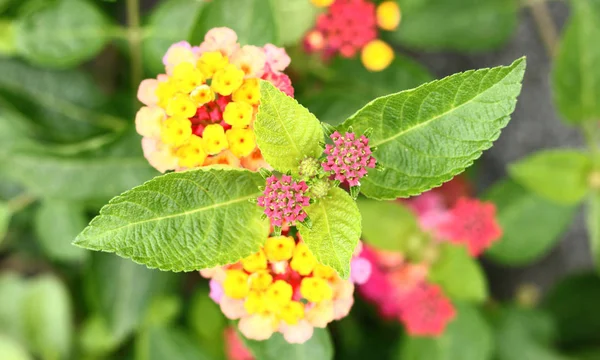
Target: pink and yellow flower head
(202, 110)
(282, 288)
(351, 26)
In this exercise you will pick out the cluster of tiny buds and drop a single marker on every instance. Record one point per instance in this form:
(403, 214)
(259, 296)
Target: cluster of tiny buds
(284, 201)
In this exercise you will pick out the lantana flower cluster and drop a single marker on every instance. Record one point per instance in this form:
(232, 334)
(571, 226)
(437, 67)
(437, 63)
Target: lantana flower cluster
(201, 111)
(398, 284)
(348, 27)
(282, 288)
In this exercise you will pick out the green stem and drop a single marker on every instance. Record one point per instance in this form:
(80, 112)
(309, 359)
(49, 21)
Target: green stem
(545, 25)
(134, 36)
(20, 202)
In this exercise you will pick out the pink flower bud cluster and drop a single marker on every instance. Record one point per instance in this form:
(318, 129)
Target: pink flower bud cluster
(348, 158)
(284, 200)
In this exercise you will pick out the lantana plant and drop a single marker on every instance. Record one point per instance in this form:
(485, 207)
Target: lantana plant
(280, 238)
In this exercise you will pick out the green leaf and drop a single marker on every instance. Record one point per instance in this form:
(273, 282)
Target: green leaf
(335, 102)
(593, 225)
(5, 215)
(460, 276)
(120, 292)
(12, 293)
(183, 221)
(47, 315)
(159, 343)
(559, 175)
(293, 19)
(335, 230)
(387, 225)
(573, 302)
(462, 25)
(468, 337)
(12, 350)
(252, 20)
(62, 33)
(96, 338)
(575, 76)
(7, 37)
(318, 347)
(208, 323)
(286, 132)
(427, 135)
(172, 21)
(531, 225)
(525, 334)
(57, 223)
(162, 311)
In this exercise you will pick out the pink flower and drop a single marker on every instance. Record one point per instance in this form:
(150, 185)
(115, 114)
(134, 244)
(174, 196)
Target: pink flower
(234, 347)
(159, 155)
(251, 60)
(298, 333)
(220, 39)
(233, 309)
(348, 158)
(284, 200)
(258, 326)
(147, 92)
(473, 223)
(280, 80)
(216, 291)
(148, 121)
(426, 311)
(179, 53)
(360, 270)
(276, 57)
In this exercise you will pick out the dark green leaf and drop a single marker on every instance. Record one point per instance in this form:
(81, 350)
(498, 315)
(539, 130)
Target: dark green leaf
(593, 225)
(319, 347)
(557, 175)
(335, 230)
(12, 292)
(386, 225)
(286, 132)
(575, 77)
(207, 321)
(158, 343)
(252, 20)
(96, 338)
(61, 33)
(468, 337)
(57, 224)
(531, 225)
(183, 221)
(463, 25)
(5, 215)
(460, 276)
(427, 135)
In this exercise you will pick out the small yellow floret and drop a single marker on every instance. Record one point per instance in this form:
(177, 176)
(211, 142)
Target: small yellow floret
(315, 289)
(211, 62)
(278, 294)
(255, 262)
(260, 280)
(214, 139)
(255, 303)
(227, 80)
(165, 90)
(388, 15)
(187, 77)
(201, 95)
(236, 284)
(377, 55)
(238, 114)
(292, 312)
(322, 3)
(324, 272)
(241, 141)
(192, 153)
(303, 260)
(175, 131)
(249, 92)
(181, 105)
(280, 248)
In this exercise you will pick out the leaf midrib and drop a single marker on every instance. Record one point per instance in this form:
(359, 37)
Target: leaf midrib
(185, 213)
(452, 109)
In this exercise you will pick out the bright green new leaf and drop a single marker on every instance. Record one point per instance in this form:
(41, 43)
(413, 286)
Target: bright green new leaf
(460, 276)
(293, 19)
(252, 20)
(593, 225)
(286, 132)
(335, 230)
(386, 225)
(120, 292)
(576, 77)
(61, 33)
(557, 175)
(183, 221)
(531, 225)
(427, 135)
(160, 343)
(57, 223)
(5, 215)
(172, 21)
(7, 37)
(47, 314)
(463, 25)
(467, 337)
(318, 347)
(12, 350)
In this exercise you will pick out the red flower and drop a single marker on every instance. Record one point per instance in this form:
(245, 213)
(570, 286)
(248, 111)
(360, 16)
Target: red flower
(473, 223)
(426, 311)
